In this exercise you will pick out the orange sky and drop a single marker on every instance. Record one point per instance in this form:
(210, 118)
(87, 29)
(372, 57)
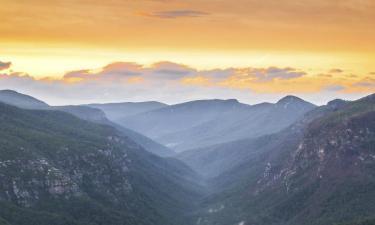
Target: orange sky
(48, 38)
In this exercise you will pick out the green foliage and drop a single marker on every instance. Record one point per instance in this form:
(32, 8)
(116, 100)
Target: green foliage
(58, 169)
(360, 222)
(21, 216)
(3, 222)
(322, 173)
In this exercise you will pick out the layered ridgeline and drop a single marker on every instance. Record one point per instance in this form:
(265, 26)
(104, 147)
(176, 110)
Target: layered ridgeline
(58, 169)
(206, 122)
(287, 163)
(321, 170)
(119, 111)
(87, 113)
(21, 100)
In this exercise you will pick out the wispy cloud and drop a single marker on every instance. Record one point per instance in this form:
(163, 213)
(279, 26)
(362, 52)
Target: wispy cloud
(120, 71)
(272, 73)
(334, 88)
(112, 72)
(173, 14)
(367, 82)
(336, 71)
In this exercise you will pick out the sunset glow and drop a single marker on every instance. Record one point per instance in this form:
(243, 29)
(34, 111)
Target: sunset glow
(45, 40)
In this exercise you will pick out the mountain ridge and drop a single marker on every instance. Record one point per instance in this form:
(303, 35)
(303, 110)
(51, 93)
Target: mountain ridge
(205, 122)
(117, 111)
(83, 112)
(15, 98)
(316, 168)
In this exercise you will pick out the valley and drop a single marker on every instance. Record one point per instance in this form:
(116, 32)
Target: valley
(176, 112)
(206, 162)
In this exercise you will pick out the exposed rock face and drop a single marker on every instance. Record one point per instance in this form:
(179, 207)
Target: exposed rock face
(55, 167)
(36, 178)
(335, 146)
(26, 181)
(340, 150)
(318, 171)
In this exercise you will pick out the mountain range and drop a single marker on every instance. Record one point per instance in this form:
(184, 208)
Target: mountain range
(203, 123)
(83, 112)
(283, 163)
(118, 111)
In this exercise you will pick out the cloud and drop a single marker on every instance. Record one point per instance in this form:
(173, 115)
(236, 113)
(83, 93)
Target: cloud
(5, 65)
(172, 82)
(269, 74)
(112, 72)
(122, 71)
(173, 14)
(336, 71)
(333, 88)
(367, 84)
(171, 70)
(327, 75)
(198, 80)
(123, 68)
(77, 75)
(165, 71)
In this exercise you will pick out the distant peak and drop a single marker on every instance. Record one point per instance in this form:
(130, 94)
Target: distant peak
(21, 100)
(370, 97)
(213, 101)
(233, 100)
(291, 101)
(9, 91)
(336, 103)
(289, 98)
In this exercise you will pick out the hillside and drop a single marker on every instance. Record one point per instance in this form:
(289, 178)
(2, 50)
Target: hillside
(86, 113)
(318, 171)
(295, 164)
(24, 101)
(58, 169)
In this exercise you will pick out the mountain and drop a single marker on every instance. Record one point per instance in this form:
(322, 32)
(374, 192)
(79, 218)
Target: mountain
(181, 116)
(207, 122)
(113, 111)
(83, 112)
(58, 169)
(24, 101)
(145, 142)
(213, 160)
(118, 111)
(287, 163)
(320, 170)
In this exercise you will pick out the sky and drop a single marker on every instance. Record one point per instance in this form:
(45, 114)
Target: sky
(80, 51)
